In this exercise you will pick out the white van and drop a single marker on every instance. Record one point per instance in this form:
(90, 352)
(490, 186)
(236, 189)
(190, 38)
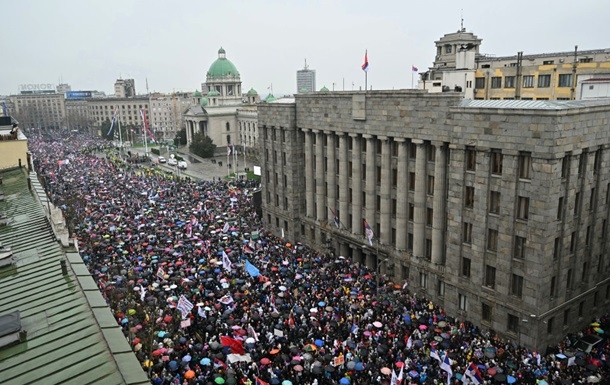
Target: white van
(172, 161)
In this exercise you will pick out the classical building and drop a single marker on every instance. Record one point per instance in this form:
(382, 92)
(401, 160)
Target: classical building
(215, 114)
(44, 109)
(459, 66)
(124, 88)
(496, 210)
(167, 113)
(306, 80)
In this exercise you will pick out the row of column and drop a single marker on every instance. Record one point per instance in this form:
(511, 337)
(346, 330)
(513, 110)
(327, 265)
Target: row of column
(319, 197)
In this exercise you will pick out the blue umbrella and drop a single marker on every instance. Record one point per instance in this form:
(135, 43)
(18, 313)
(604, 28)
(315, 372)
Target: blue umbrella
(161, 334)
(511, 379)
(321, 303)
(173, 365)
(124, 321)
(205, 361)
(319, 343)
(344, 381)
(359, 366)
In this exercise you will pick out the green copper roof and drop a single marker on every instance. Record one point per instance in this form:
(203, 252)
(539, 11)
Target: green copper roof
(303, 90)
(197, 94)
(270, 98)
(252, 92)
(324, 89)
(204, 101)
(222, 67)
(213, 93)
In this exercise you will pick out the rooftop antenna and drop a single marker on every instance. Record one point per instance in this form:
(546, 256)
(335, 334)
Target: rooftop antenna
(147, 86)
(306, 64)
(462, 20)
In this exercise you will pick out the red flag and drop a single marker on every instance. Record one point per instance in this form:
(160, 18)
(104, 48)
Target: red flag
(261, 382)
(235, 345)
(291, 320)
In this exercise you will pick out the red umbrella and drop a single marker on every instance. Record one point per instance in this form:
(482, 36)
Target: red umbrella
(265, 361)
(167, 318)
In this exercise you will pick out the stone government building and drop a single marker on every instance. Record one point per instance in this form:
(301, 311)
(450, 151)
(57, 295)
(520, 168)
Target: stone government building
(496, 210)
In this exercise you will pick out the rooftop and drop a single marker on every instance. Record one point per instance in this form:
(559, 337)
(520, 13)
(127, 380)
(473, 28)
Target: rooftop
(534, 104)
(72, 338)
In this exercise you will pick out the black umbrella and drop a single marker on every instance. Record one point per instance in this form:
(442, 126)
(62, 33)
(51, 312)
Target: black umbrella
(329, 368)
(500, 377)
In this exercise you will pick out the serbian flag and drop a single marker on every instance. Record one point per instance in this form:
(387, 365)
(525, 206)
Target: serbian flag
(414, 69)
(368, 232)
(218, 363)
(112, 123)
(474, 374)
(235, 345)
(365, 66)
(260, 382)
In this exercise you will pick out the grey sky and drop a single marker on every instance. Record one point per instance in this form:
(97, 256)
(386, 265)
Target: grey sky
(89, 44)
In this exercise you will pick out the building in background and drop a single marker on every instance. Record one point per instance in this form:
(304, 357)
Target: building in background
(100, 110)
(124, 88)
(62, 88)
(495, 210)
(215, 113)
(167, 113)
(459, 66)
(39, 109)
(13, 144)
(77, 113)
(306, 80)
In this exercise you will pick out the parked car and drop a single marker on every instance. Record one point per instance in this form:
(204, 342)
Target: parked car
(182, 165)
(172, 161)
(161, 159)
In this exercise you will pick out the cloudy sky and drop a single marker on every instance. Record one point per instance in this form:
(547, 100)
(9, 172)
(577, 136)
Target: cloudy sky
(89, 44)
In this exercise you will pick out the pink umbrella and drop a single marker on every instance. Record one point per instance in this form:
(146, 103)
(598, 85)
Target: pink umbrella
(423, 327)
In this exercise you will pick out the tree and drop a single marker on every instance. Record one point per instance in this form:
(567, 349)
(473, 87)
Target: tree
(202, 146)
(115, 131)
(105, 128)
(180, 139)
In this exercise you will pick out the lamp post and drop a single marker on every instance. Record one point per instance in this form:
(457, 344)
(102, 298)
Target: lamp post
(378, 272)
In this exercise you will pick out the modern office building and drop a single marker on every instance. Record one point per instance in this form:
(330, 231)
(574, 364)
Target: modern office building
(459, 66)
(124, 88)
(496, 210)
(44, 109)
(306, 80)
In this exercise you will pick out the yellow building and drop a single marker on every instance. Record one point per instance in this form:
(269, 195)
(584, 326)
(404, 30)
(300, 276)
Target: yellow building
(549, 76)
(13, 145)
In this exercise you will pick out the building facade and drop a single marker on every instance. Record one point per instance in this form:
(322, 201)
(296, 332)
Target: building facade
(459, 66)
(128, 109)
(39, 109)
(306, 80)
(77, 114)
(167, 113)
(497, 211)
(215, 113)
(124, 88)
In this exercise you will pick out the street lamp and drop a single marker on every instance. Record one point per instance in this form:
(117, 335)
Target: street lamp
(378, 272)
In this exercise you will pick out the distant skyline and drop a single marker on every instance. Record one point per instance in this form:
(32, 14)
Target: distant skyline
(172, 44)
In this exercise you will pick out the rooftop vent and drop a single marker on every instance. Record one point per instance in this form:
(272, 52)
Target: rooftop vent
(10, 329)
(6, 255)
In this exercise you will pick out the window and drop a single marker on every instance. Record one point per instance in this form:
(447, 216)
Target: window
(411, 211)
(430, 189)
(494, 202)
(479, 83)
(466, 267)
(469, 196)
(496, 82)
(585, 270)
(525, 163)
(577, 204)
(467, 236)
(565, 163)
(553, 285)
(496, 162)
(548, 62)
(528, 81)
(557, 248)
(412, 150)
(581, 308)
(441, 288)
(423, 280)
(431, 153)
(463, 302)
(569, 280)
(565, 80)
(428, 248)
(447, 48)
(549, 325)
(471, 159)
(519, 250)
(490, 277)
(560, 208)
(412, 181)
(573, 242)
(517, 286)
(513, 323)
(523, 205)
(485, 312)
(544, 81)
(429, 216)
(492, 239)
(509, 82)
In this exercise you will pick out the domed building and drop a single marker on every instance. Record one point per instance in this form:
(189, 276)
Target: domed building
(221, 111)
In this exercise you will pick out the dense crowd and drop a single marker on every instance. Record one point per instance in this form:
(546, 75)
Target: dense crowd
(205, 295)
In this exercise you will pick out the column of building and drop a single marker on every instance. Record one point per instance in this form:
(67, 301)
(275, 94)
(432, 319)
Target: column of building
(331, 176)
(402, 212)
(438, 220)
(320, 180)
(309, 176)
(419, 217)
(343, 182)
(357, 225)
(385, 211)
(371, 194)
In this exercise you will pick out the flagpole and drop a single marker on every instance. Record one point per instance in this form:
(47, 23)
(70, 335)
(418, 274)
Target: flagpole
(412, 78)
(365, 80)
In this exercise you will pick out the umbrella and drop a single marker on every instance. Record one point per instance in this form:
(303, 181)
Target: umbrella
(344, 381)
(189, 374)
(593, 379)
(500, 377)
(386, 370)
(265, 361)
(351, 365)
(377, 324)
(219, 380)
(511, 379)
(492, 371)
(423, 327)
(205, 361)
(359, 366)
(173, 365)
(298, 368)
(329, 368)
(319, 343)
(286, 382)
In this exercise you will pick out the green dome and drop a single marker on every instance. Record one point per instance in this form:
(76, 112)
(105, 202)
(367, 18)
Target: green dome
(222, 67)
(213, 93)
(324, 89)
(197, 94)
(270, 98)
(252, 92)
(303, 90)
(204, 101)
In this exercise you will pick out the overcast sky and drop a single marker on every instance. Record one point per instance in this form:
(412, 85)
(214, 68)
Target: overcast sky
(88, 44)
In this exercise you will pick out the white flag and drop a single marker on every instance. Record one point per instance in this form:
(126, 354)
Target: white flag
(226, 262)
(394, 379)
(201, 312)
(142, 293)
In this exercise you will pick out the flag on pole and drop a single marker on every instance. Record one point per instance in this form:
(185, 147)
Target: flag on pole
(400, 375)
(226, 262)
(434, 354)
(394, 380)
(446, 366)
(228, 150)
(368, 232)
(414, 69)
(409, 343)
(474, 374)
(365, 66)
(112, 122)
(335, 218)
(282, 233)
(252, 270)
(145, 125)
